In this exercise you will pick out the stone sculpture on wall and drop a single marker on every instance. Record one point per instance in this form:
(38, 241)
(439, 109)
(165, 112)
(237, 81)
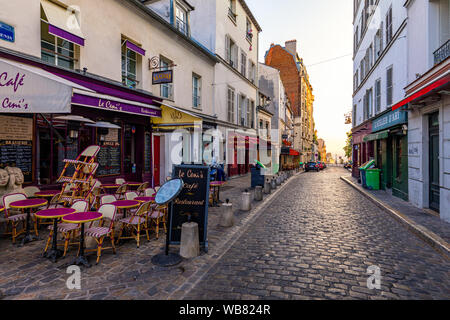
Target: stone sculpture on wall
(4, 180)
(11, 180)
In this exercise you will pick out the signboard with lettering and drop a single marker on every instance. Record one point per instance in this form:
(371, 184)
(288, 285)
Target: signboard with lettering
(389, 120)
(110, 156)
(192, 202)
(7, 32)
(16, 144)
(160, 77)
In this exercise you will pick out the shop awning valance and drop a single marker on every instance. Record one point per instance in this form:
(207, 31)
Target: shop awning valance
(130, 45)
(377, 136)
(27, 89)
(111, 103)
(175, 118)
(62, 22)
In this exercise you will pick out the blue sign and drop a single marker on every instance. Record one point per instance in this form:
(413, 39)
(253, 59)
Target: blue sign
(6, 32)
(161, 77)
(389, 119)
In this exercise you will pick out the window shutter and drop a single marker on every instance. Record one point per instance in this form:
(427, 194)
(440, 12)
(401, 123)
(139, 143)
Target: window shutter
(389, 86)
(227, 48)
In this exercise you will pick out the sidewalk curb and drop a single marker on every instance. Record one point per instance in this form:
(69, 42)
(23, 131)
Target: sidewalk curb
(435, 241)
(232, 237)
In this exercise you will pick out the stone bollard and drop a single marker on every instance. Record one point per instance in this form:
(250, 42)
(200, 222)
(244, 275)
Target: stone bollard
(189, 245)
(258, 193)
(278, 180)
(267, 186)
(246, 203)
(273, 183)
(227, 217)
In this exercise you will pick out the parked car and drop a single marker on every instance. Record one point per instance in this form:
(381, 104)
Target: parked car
(324, 165)
(321, 167)
(312, 166)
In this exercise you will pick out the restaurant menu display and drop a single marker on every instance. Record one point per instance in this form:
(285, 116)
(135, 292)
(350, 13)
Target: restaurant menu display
(16, 144)
(109, 157)
(148, 153)
(192, 202)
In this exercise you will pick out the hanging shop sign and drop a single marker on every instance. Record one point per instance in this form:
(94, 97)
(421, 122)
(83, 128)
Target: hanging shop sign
(162, 77)
(192, 202)
(388, 120)
(7, 32)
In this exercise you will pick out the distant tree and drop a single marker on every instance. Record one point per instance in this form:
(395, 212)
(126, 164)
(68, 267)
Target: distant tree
(348, 146)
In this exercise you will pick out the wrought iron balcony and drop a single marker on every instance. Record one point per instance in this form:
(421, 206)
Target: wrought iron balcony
(182, 26)
(442, 53)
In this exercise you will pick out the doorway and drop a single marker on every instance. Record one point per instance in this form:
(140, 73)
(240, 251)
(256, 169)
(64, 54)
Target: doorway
(434, 188)
(156, 160)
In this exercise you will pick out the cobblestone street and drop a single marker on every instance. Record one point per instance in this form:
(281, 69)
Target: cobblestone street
(316, 240)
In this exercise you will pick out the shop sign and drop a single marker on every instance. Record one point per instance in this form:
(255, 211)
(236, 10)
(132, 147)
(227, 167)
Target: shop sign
(114, 105)
(285, 150)
(161, 77)
(389, 119)
(192, 202)
(7, 32)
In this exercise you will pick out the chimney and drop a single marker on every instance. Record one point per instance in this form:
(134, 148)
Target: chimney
(291, 46)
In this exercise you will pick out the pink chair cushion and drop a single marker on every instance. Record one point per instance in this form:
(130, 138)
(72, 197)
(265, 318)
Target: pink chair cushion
(65, 227)
(134, 220)
(17, 217)
(156, 214)
(97, 232)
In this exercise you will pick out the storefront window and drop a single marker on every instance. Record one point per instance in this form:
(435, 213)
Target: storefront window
(398, 162)
(129, 149)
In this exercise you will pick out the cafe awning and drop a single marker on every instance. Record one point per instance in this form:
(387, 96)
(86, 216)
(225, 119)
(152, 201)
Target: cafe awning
(173, 118)
(27, 89)
(377, 136)
(62, 22)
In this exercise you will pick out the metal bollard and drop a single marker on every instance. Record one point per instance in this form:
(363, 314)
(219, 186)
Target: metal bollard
(273, 183)
(227, 217)
(246, 203)
(267, 186)
(258, 193)
(278, 180)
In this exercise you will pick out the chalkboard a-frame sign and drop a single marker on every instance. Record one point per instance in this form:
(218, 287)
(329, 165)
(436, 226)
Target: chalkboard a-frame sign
(192, 202)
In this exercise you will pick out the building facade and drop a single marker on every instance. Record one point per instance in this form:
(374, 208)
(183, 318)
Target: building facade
(380, 68)
(112, 67)
(427, 98)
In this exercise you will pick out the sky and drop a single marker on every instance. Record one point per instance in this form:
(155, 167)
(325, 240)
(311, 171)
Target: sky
(324, 33)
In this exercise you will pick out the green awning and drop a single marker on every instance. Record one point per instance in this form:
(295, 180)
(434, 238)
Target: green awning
(377, 136)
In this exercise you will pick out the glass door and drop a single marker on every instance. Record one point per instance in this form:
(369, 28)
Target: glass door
(434, 162)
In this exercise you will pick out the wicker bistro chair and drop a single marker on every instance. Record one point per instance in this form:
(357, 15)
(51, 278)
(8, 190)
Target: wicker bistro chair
(104, 230)
(131, 195)
(140, 190)
(136, 224)
(13, 217)
(30, 191)
(121, 191)
(157, 188)
(68, 229)
(149, 192)
(156, 217)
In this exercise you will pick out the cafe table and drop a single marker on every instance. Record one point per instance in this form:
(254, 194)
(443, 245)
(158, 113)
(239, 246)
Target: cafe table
(82, 218)
(216, 185)
(144, 199)
(125, 205)
(29, 204)
(47, 194)
(110, 187)
(133, 184)
(55, 214)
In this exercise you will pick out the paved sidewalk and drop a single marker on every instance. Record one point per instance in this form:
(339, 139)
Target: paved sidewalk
(127, 275)
(427, 226)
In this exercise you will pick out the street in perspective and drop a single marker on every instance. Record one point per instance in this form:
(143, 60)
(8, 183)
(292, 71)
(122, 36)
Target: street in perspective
(218, 151)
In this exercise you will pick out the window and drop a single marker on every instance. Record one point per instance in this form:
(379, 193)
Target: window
(370, 56)
(249, 32)
(361, 69)
(129, 62)
(389, 26)
(166, 88)
(231, 52)
(251, 71)
(370, 103)
(354, 115)
(232, 9)
(230, 104)
(55, 50)
(196, 91)
(242, 110)
(378, 95)
(181, 20)
(379, 42)
(243, 63)
(252, 114)
(389, 86)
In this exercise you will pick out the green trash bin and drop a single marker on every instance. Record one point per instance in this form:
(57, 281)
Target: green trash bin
(363, 168)
(373, 179)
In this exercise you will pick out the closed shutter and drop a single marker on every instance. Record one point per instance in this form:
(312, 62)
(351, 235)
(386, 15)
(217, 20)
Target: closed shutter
(227, 49)
(389, 86)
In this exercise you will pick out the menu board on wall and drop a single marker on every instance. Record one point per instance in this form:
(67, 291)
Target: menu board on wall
(16, 144)
(109, 157)
(192, 202)
(148, 153)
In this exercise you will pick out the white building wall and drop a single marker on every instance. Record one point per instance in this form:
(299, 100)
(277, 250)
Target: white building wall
(394, 55)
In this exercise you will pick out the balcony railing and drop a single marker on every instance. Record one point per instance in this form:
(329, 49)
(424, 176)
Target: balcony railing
(442, 53)
(182, 26)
